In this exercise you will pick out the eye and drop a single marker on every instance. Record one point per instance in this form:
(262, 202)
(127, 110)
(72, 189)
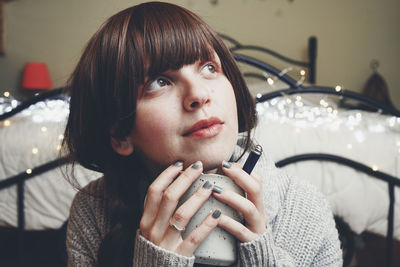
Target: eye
(209, 69)
(158, 84)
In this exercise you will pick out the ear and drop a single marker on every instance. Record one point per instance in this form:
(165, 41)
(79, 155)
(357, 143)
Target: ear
(124, 147)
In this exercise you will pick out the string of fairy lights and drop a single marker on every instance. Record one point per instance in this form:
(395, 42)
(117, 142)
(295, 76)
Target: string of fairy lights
(323, 112)
(317, 111)
(44, 114)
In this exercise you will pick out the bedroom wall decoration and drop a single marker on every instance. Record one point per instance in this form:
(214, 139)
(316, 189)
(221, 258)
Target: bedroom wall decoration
(376, 86)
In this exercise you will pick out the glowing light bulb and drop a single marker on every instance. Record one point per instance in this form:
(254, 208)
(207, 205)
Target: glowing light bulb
(61, 137)
(270, 81)
(28, 171)
(338, 88)
(35, 150)
(375, 168)
(259, 95)
(6, 94)
(323, 103)
(302, 72)
(7, 123)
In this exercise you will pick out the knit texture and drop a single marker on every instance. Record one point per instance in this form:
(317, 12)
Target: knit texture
(301, 230)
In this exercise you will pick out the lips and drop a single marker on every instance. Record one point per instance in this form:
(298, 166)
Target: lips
(205, 128)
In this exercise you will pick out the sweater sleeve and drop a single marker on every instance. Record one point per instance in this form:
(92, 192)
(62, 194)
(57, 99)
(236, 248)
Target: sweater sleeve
(148, 254)
(303, 233)
(263, 252)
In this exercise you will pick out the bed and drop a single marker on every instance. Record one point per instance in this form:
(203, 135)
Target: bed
(338, 149)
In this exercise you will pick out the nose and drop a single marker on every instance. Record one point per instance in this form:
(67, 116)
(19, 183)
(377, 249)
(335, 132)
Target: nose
(196, 96)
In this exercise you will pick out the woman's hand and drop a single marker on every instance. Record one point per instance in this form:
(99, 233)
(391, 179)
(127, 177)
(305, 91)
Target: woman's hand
(251, 207)
(162, 223)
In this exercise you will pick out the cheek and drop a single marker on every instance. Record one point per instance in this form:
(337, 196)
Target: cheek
(150, 124)
(228, 96)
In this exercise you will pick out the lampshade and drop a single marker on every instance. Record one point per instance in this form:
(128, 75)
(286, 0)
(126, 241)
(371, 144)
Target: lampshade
(36, 76)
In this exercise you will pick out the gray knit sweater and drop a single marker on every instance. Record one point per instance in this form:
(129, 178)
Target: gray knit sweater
(301, 229)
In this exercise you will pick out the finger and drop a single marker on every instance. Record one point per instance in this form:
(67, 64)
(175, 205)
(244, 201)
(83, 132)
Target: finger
(184, 213)
(170, 199)
(185, 179)
(237, 229)
(254, 219)
(256, 177)
(252, 185)
(154, 195)
(194, 239)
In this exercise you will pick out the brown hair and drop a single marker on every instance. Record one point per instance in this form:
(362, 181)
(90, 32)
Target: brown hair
(140, 41)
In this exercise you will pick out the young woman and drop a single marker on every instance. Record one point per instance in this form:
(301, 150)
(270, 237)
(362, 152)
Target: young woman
(157, 99)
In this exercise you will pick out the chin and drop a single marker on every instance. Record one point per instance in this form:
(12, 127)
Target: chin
(214, 161)
(211, 153)
(211, 167)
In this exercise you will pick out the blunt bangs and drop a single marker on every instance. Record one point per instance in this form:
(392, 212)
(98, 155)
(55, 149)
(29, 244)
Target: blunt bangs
(173, 38)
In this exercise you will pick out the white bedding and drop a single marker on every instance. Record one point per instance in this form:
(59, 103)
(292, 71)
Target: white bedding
(362, 201)
(295, 125)
(28, 140)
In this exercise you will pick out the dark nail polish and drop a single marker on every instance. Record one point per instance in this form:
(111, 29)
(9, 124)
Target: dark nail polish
(217, 189)
(207, 185)
(226, 164)
(216, 214)
(178, 164)
(196, 165)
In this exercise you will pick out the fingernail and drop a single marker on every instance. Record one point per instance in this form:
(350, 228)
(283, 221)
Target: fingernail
(216, 214)
(226, 164)
(178, 164)
(207, 185)
(196, 165)
(217, 189)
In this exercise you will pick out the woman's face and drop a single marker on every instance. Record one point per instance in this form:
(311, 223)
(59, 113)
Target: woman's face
(187, 114)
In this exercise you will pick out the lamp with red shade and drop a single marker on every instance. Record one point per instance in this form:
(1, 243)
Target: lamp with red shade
(36, 76)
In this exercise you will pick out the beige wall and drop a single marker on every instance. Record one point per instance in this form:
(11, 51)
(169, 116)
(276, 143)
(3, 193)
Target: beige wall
(350, 34)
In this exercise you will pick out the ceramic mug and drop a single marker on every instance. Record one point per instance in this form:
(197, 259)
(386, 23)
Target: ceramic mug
(219, 248)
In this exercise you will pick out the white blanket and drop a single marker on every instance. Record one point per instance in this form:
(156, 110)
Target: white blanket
(313, 124)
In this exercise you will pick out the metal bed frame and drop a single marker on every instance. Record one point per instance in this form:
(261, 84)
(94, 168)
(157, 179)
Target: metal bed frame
(311, 64)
